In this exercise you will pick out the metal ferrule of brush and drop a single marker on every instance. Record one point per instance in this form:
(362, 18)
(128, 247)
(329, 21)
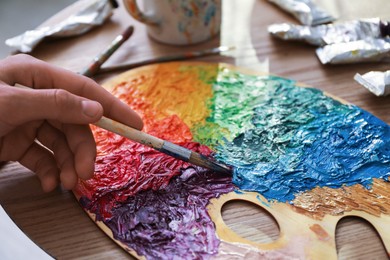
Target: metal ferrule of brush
(175, 151)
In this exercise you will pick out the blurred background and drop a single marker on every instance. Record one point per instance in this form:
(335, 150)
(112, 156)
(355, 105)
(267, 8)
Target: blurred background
(17, 16)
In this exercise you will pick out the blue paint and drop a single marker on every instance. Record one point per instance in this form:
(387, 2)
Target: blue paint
(238, 192)
(332, 154)
(210, 14)
(298, 139)
(262, 201)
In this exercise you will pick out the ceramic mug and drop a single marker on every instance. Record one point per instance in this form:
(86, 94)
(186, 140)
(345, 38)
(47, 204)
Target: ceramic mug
(178, 22)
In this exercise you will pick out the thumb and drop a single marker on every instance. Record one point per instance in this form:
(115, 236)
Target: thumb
(26, 105)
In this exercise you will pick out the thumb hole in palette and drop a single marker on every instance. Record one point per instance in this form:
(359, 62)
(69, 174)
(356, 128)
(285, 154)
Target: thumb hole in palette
(240, 217)
(353, 233)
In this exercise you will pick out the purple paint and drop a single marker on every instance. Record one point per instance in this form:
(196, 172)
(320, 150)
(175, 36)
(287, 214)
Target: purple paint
(170, 223)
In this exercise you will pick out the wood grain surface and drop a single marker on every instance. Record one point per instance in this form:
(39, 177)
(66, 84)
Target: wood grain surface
(57, 223)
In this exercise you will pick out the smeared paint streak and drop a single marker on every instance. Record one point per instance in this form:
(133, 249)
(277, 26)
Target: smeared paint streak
(294, 250)
(195, 8)
(210, 14)
(320, 232)
(262, 201)
(322, 201)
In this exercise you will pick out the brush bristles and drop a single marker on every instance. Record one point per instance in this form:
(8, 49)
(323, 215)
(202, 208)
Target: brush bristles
(205, 162)
(128, 32)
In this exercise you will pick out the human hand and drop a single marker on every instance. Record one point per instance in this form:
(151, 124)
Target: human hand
(45, 128)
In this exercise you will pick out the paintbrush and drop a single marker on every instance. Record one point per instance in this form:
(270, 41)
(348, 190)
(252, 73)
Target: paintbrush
(163, 146)
(103, 56)
(177, 57)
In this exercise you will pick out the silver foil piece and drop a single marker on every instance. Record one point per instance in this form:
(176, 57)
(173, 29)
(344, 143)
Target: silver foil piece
(94, 14)
(367, 50)
(306, 11)
(377, 82)
(321, 35)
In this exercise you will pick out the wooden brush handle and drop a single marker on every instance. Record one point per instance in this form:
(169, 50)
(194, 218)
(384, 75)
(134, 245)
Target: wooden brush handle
(131, 133)
(166, 147)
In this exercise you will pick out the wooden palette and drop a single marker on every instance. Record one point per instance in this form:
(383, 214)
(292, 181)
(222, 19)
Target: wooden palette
(307, 222)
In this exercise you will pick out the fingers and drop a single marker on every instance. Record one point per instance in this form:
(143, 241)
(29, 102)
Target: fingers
(83, 146)
(73, 155)
(64, 97)
(56, 142)
(64, 153)
(18, 106)
(42, 162)
(74, 150)
(28, 71)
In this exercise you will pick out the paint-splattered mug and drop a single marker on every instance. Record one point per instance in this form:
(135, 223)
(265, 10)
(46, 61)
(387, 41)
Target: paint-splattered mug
(178, 22)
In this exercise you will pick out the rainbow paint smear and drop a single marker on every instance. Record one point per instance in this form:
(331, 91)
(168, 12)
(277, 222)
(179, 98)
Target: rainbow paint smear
(283, 141)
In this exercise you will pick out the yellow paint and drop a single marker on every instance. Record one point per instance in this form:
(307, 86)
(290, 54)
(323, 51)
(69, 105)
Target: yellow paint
(174, 95)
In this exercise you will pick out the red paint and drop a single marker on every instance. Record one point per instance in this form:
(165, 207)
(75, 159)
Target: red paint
(124, 168)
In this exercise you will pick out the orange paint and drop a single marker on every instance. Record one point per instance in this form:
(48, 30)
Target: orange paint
(170, 91)
(195, 9)
(133, 7)
(327, 201)
(320, 232)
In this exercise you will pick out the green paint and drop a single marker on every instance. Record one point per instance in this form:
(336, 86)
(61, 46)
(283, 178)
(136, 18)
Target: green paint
(234, 96)
(276, 120)
(282, 139)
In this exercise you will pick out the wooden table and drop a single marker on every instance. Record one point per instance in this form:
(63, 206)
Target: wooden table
(57, 223)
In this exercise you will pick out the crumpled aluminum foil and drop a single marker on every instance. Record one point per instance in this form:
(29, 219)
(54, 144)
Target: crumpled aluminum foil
(367, 50)
(328, 34)
(306, 11)
(92, 15)
(377, 82)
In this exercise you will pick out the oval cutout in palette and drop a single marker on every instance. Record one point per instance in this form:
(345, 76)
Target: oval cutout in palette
(256, 224)
(306, 158)
(354, 234)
